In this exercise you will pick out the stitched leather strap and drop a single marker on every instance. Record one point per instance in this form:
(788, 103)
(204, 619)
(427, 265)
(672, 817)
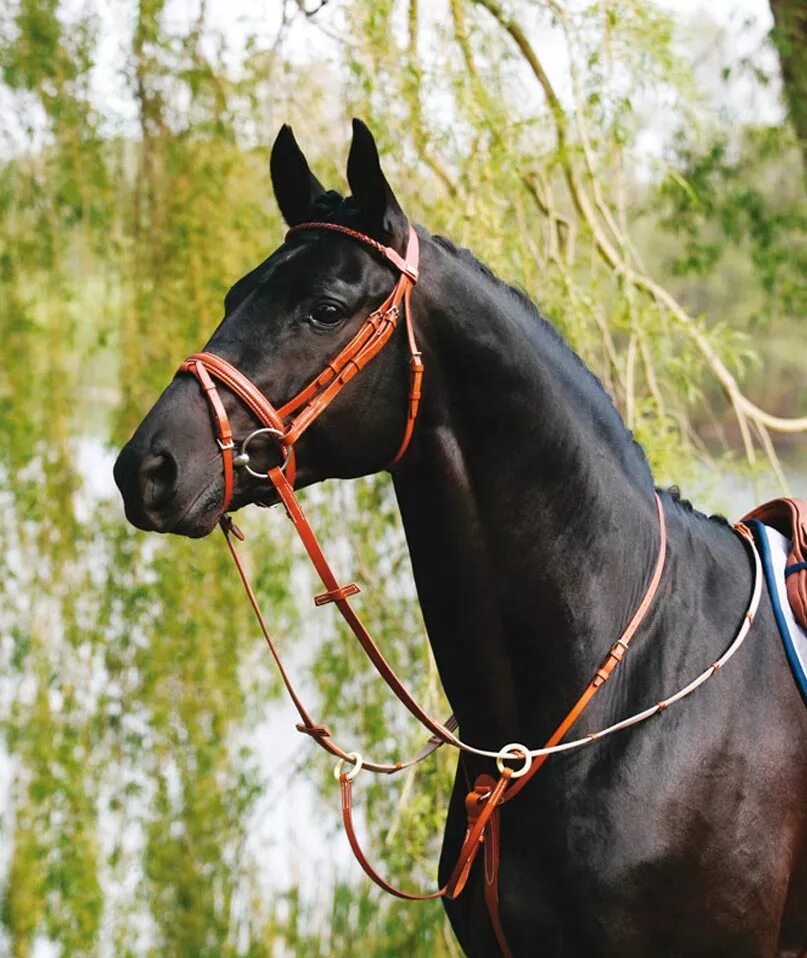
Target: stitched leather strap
(311, 401)
(224, 435)
(480, 804)
(415, 380)
(492, 857)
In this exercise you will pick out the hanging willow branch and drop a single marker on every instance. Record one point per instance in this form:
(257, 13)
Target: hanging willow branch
(614, 246)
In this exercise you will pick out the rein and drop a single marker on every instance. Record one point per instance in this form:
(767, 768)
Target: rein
(286, 424)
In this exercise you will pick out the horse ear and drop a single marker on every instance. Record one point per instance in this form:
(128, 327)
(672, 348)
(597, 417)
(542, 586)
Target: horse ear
(294, 184)
(371, 192)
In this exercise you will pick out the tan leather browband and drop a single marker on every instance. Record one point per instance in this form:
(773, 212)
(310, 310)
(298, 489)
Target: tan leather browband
(484, 801)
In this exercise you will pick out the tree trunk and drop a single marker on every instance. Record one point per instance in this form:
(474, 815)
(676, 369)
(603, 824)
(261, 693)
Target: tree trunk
(790, 37)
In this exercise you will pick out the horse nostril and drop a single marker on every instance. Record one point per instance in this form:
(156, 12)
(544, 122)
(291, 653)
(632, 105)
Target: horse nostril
(157, 479)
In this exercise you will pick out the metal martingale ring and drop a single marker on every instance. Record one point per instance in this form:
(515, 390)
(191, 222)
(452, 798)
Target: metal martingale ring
(354, 757)
(512, 752)
(242, 459)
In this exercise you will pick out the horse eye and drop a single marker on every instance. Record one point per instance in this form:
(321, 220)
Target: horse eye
(326, 314)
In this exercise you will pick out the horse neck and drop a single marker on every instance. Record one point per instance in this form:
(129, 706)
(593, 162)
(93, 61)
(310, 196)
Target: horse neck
(528, 508)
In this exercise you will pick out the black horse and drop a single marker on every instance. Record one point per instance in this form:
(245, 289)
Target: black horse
(530, 518)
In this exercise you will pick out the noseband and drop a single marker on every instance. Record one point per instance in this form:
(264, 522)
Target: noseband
(286, 424)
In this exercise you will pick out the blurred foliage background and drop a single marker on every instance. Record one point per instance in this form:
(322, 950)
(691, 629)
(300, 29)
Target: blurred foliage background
(638, 169)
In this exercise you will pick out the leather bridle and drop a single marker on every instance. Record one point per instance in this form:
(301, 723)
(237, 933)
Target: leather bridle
(286, 424)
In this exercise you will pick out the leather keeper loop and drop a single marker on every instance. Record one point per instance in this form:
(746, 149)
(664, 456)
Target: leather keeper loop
(315, 731)
(601, 677)
(227, 523)
(336, 595)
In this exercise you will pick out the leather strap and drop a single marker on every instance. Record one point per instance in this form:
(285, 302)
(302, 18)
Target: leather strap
(408, 266)
(492, 857)
(321, 734)
(415, 379)
(341, 598)
(609, 664)
(312, 401)
(789, 516)
(346, 788)
(481, 803)
(483, 810)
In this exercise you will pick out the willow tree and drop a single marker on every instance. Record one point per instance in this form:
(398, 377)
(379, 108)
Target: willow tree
(132, 707)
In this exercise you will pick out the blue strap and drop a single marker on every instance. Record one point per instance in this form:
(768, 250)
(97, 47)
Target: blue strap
(796, 666)
(796, 567)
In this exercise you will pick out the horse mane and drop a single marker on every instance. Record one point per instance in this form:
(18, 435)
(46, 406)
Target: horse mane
(569, 355)
(467, 257)
(675, 496)
(524, 300)
(333, 206)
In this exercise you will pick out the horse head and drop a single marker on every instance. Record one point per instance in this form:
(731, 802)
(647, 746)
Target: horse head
(284, 322)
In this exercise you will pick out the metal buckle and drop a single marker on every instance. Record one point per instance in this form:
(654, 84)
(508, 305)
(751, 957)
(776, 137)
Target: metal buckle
(242, 459)
(224, 446)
